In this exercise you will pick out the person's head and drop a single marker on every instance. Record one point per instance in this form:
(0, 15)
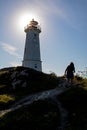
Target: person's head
(72, 64)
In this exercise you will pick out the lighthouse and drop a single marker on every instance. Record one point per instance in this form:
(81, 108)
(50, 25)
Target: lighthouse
(32, 57)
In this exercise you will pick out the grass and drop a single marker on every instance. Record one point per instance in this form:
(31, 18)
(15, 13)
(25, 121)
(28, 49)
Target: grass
(75, 102)
(6, 98)
(6, 101)
(35, 82)
(39, 115)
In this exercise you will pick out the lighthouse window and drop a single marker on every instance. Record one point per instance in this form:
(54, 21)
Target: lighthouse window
(35, 34)
(35, 66)
(34, 37)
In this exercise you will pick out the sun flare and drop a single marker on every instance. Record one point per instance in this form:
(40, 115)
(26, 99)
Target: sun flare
(25, 19)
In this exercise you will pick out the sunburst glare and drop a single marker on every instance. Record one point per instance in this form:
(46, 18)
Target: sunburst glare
(26, 18)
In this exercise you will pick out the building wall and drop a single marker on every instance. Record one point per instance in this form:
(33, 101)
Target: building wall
(32, 56)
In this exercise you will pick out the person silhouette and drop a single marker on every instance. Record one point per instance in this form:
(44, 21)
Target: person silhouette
(69, 72)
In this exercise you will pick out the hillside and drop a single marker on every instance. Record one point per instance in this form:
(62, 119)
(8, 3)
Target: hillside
(16, 82)
(30, 100)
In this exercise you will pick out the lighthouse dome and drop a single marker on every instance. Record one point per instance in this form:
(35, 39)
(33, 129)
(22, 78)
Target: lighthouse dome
(33, 22)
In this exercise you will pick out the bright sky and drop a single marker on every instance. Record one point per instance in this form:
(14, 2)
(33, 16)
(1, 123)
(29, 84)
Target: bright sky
(63, 38)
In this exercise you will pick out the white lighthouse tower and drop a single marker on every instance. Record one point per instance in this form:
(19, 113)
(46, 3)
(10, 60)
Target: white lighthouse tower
(32, 58)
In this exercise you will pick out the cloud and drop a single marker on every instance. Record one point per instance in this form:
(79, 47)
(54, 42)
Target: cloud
(9, 49)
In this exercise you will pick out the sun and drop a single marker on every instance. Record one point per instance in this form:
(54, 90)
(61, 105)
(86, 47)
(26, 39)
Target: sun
(25, 19)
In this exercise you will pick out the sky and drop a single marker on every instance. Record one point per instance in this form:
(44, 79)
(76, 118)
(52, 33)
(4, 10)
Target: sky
(63, 38)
